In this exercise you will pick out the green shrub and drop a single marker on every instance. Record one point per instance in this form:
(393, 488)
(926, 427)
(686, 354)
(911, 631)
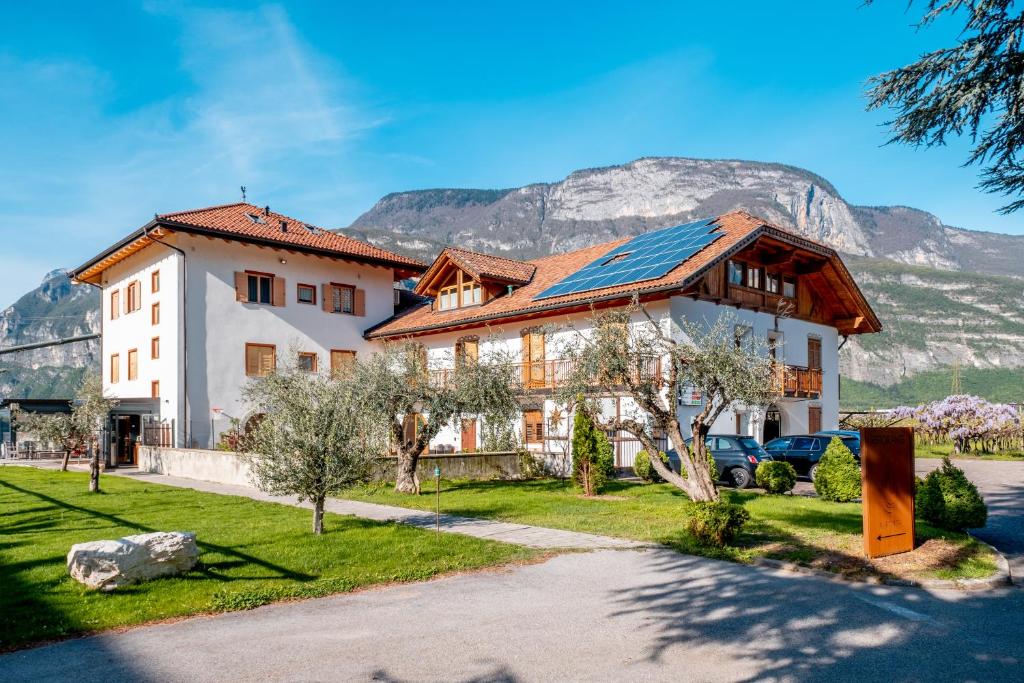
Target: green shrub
(605, 455)
(589, 454)
(716, 522)
(838, 475)
(643, 468)
(775, 476)
(947, 498)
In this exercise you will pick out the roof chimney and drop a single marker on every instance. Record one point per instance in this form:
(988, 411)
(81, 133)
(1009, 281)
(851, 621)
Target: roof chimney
(266, 210)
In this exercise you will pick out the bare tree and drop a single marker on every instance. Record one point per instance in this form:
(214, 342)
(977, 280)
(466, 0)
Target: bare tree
(975, 87)
(76, 431)
(650, 361)
(313, 438)
(402, 390)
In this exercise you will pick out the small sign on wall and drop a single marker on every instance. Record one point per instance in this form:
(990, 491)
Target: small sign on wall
(690, 396)
(887, 483)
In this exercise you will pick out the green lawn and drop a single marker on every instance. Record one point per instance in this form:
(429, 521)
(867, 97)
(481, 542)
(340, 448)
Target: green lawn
(946, 449)
(251, 553)
(799, 529)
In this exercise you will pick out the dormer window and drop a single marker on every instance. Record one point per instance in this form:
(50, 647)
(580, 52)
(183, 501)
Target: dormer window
(468, 293)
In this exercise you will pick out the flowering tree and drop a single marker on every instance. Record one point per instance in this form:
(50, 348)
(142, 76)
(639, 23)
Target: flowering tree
(970, 422)
(647, 362)
(400, 389)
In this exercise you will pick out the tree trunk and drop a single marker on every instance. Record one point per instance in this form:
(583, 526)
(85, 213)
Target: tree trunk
(64, 462)
(318, 515)
(406, 480)
(94, 469)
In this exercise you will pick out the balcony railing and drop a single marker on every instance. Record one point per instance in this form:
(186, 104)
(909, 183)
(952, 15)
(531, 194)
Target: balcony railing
(798, 382)
(552, 374)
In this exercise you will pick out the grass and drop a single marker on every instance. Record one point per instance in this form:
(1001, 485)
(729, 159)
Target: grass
(251, 553)
(943, 450)
(1001, 385)
(800, 529)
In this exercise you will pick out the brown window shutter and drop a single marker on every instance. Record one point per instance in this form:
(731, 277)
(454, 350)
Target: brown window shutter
(241, 287)
(124, 301)
(252, 360)
(279, 291)
(325, 291)
(359, 303)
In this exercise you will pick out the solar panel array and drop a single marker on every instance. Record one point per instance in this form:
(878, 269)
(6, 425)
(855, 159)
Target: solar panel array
(645, 257)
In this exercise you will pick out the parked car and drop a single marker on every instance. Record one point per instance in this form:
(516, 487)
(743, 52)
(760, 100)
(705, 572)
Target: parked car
(851, 437)
(803, 451)
(736, 457)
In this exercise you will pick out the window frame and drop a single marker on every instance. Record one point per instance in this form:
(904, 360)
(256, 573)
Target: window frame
(250, 275)
(115, 304)
(461, 357)
(154, 389)
(337, 287)
(772, 277)
(738, 267)
(115, 368)
(154, 313)
(154, 281)
(536, 435)
(273, 352)
(789, 281)
(308, 354)
(755, 274)
(134, 296)
(154, 348)
(336, 368)
(298, 293)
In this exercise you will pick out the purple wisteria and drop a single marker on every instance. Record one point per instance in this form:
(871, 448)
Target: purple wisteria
(970, 422)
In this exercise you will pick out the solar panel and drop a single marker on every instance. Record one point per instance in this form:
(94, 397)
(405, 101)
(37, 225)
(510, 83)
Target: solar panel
(645, 257)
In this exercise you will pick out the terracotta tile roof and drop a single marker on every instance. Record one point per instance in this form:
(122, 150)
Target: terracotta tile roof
(735, 227)
(492, 267)
(247, 220)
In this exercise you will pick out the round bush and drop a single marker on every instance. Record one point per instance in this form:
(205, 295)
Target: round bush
(716, 523)
(775, 477)
(643, 468)
(838, 477)
(947, 498)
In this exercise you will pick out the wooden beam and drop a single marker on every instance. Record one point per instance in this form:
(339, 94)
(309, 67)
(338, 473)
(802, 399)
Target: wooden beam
(850, 323)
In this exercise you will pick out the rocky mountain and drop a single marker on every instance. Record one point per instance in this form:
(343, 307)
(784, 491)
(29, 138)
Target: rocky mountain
(944, 293)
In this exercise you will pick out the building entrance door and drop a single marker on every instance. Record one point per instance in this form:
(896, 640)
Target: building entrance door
(772, 425)
(127, 429)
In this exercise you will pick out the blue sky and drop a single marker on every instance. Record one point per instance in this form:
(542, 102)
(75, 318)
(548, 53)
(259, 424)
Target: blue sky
(113, 111)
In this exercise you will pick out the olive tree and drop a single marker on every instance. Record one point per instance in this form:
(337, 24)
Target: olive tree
(416, 399)
(313, 437)
(651, 361)
(75, 431)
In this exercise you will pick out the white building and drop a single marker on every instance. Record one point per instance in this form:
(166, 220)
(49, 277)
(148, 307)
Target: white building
(196, 301)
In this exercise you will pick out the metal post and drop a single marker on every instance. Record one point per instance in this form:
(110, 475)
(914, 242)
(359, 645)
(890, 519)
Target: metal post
(437, 485)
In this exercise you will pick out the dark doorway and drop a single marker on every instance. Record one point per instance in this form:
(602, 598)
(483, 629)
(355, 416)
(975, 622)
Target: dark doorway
(127, 429)
(772, 425)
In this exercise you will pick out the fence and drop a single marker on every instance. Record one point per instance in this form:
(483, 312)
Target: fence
(624, 444)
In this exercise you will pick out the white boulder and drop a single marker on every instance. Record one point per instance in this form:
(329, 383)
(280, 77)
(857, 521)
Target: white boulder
(106, 565)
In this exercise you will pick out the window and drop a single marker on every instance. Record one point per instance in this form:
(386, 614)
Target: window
(341, 361)
(115, 304)
(154, 389)
(448, 298)
(154, 348)
(134, 296)
(154, 281)
(802, 443)
(260, 288)
(789, 288)
(133, 364)
(115, 368)
(754, 278)
(771, 283)
(533, 426)
(533, 358)
(467, 350)
(342, 299)
(471, 293)
(736, 270)
(260, 359)
(307, 361)
(307, 294)
(814, 353)
(155, 314)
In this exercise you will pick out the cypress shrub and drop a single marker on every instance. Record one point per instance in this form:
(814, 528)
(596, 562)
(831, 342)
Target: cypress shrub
(838, 476)
(587, 471)
(775, 476)
(947, 498)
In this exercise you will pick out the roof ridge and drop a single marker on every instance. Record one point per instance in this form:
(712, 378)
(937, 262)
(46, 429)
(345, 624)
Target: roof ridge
(214, 207)
(485, 254)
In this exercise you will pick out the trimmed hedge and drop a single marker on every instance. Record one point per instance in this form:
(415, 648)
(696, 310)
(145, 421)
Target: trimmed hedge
(946, 498)
(716, 523)
(838, 475)
(643, 468)
(775, 476)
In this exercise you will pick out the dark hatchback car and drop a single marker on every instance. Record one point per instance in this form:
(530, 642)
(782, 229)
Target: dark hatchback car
(736, 456)
(803, 451)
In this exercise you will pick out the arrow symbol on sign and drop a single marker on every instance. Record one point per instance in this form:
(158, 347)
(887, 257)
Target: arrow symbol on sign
(880, 537)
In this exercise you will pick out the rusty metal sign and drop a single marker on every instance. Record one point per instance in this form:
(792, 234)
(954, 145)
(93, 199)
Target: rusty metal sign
(887, 478)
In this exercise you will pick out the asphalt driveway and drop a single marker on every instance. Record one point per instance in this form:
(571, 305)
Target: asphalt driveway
(599, 616)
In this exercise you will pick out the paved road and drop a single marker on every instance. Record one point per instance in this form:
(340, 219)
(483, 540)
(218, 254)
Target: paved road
(604, 616)
(1001, 483)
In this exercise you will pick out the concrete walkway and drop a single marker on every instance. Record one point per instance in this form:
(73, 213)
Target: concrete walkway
(519, 534)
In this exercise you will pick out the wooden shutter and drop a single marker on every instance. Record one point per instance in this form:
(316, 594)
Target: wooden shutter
(359, 303)
(278, 298)
(241, 286)
(814, 353)
(125, 298)
(133, 364)
(115, 304)
(325, 294)
(814, 419)
(533, 426)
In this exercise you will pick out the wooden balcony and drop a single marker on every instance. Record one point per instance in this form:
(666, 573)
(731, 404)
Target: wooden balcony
(798, 382)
